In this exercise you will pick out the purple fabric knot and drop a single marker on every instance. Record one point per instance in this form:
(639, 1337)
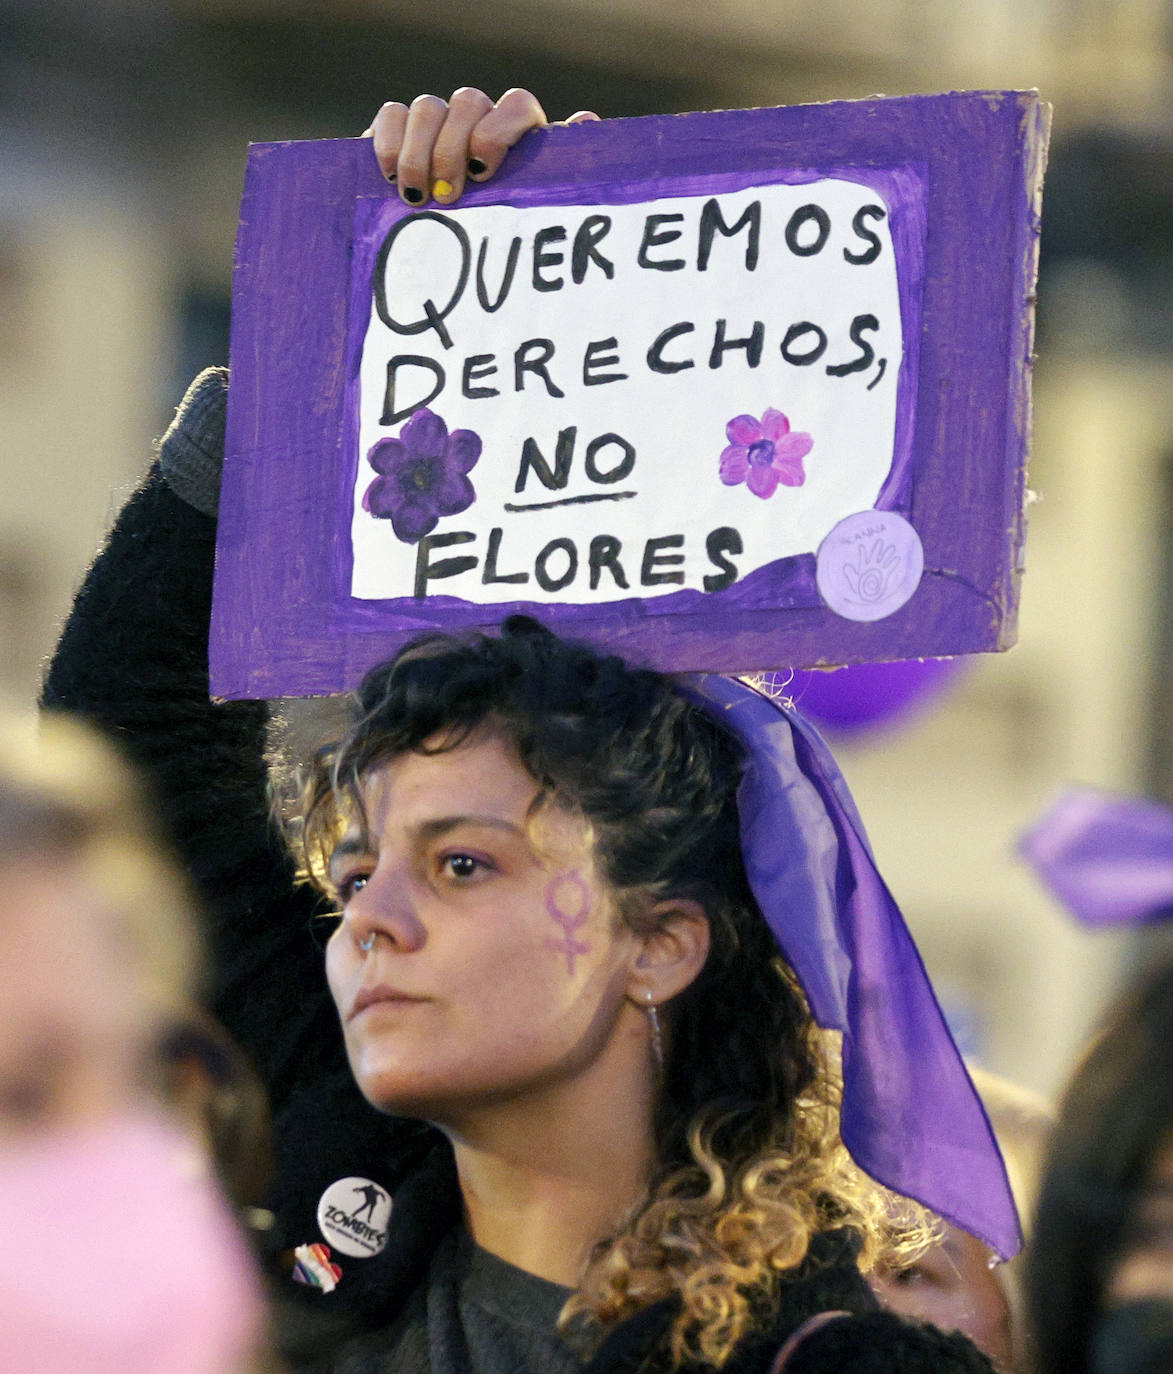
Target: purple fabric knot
(911, 1118)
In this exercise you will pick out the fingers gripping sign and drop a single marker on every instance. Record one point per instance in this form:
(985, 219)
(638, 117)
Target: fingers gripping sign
(425, 120)
(514, 114)
(433, 146)
(450, 157)
(386, 134)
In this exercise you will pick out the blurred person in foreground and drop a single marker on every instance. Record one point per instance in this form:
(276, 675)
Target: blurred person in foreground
(959, 1285)
(1100, 1269)
(125, 1256)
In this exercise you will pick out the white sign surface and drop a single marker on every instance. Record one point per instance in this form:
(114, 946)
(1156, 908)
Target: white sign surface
(657, 396)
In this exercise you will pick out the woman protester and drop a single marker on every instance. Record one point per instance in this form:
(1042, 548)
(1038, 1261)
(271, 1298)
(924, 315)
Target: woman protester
(598, 1127)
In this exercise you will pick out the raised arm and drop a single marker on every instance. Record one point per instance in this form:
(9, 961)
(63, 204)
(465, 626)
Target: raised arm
(133, 658)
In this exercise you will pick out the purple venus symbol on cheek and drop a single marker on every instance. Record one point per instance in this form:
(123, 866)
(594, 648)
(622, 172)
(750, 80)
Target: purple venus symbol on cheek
(569, 886)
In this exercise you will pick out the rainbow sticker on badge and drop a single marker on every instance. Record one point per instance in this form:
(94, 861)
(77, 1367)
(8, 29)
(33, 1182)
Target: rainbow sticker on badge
(869, 565)
(314, 1268)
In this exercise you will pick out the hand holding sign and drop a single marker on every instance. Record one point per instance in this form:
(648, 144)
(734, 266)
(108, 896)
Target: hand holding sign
(430, 147)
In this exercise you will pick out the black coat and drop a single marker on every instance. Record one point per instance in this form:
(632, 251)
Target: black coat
(133, 658)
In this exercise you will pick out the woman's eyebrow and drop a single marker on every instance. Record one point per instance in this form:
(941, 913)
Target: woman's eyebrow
(346, 848)
(441, 825)
(355, 845)
(352, 846)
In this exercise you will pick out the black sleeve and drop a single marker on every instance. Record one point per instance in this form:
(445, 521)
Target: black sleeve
(133, 659)
(883, 1343)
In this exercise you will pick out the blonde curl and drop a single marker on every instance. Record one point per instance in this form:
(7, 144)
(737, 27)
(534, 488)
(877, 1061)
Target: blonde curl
(722, 1236)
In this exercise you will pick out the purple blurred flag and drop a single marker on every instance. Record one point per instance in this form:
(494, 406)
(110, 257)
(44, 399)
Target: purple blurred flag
(911, 1118)
(1108, 859)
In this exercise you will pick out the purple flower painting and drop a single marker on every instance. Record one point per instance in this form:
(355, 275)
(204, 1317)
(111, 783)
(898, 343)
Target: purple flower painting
(422, 475)
(763, 453)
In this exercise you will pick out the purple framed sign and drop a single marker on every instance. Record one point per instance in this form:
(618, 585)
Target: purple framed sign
(729, 391)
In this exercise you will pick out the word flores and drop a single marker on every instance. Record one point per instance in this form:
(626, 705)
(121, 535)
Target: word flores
(561, 563)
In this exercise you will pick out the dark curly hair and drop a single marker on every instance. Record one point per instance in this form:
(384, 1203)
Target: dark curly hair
(750, 1165)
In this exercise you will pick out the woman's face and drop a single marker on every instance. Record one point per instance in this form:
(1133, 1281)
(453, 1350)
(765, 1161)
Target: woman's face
(954, 1288)
(496, 967)
(74, 1032)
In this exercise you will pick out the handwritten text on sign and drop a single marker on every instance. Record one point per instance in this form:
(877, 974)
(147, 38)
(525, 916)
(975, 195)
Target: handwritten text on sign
(583, 404)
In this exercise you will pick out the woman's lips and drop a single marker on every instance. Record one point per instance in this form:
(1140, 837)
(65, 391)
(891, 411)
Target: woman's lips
(381, 993)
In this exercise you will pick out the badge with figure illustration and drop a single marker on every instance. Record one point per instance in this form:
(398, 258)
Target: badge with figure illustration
(730, 391)
(353, 1215)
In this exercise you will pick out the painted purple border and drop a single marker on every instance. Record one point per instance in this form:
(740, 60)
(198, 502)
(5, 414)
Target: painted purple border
(280, 624)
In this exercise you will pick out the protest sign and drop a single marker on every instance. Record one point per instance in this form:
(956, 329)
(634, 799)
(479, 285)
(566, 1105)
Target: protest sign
(730, 391)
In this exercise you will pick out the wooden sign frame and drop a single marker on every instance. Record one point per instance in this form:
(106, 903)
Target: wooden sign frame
(959, 176)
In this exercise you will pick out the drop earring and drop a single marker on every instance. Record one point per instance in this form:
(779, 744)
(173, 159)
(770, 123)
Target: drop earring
(657, 1037)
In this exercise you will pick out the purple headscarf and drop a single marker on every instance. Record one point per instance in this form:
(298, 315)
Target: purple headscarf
(910, 1117)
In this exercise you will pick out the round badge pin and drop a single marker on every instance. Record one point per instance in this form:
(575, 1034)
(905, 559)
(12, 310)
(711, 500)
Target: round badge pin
(869, 565)
(353, 1214)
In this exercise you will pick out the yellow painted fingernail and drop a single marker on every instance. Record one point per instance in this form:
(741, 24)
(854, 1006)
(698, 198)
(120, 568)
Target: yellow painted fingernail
(442, 189)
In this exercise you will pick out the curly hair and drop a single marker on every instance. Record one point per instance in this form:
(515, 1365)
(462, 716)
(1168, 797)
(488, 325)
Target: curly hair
(749, 1161)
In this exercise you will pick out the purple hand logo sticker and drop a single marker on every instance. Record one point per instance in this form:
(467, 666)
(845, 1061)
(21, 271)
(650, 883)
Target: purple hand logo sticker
(869, 565)
(871, 577)
(422, 475)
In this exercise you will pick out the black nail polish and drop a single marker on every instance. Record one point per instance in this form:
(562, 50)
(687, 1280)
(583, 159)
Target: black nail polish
(391, 178)
(476, 166)
(412, 195)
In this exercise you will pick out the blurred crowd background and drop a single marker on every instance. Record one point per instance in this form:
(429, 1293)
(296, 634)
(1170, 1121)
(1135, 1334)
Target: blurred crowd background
(123, 129)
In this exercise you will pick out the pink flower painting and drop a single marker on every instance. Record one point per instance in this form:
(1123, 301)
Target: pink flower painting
(764, 453)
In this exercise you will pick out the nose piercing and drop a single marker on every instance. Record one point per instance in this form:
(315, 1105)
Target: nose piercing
(367, 943)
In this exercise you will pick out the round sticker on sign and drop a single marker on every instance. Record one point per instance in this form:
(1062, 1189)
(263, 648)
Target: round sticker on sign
(353, 1215)
(869, 565)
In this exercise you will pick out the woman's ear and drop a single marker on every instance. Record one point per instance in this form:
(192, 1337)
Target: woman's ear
(673, 951)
